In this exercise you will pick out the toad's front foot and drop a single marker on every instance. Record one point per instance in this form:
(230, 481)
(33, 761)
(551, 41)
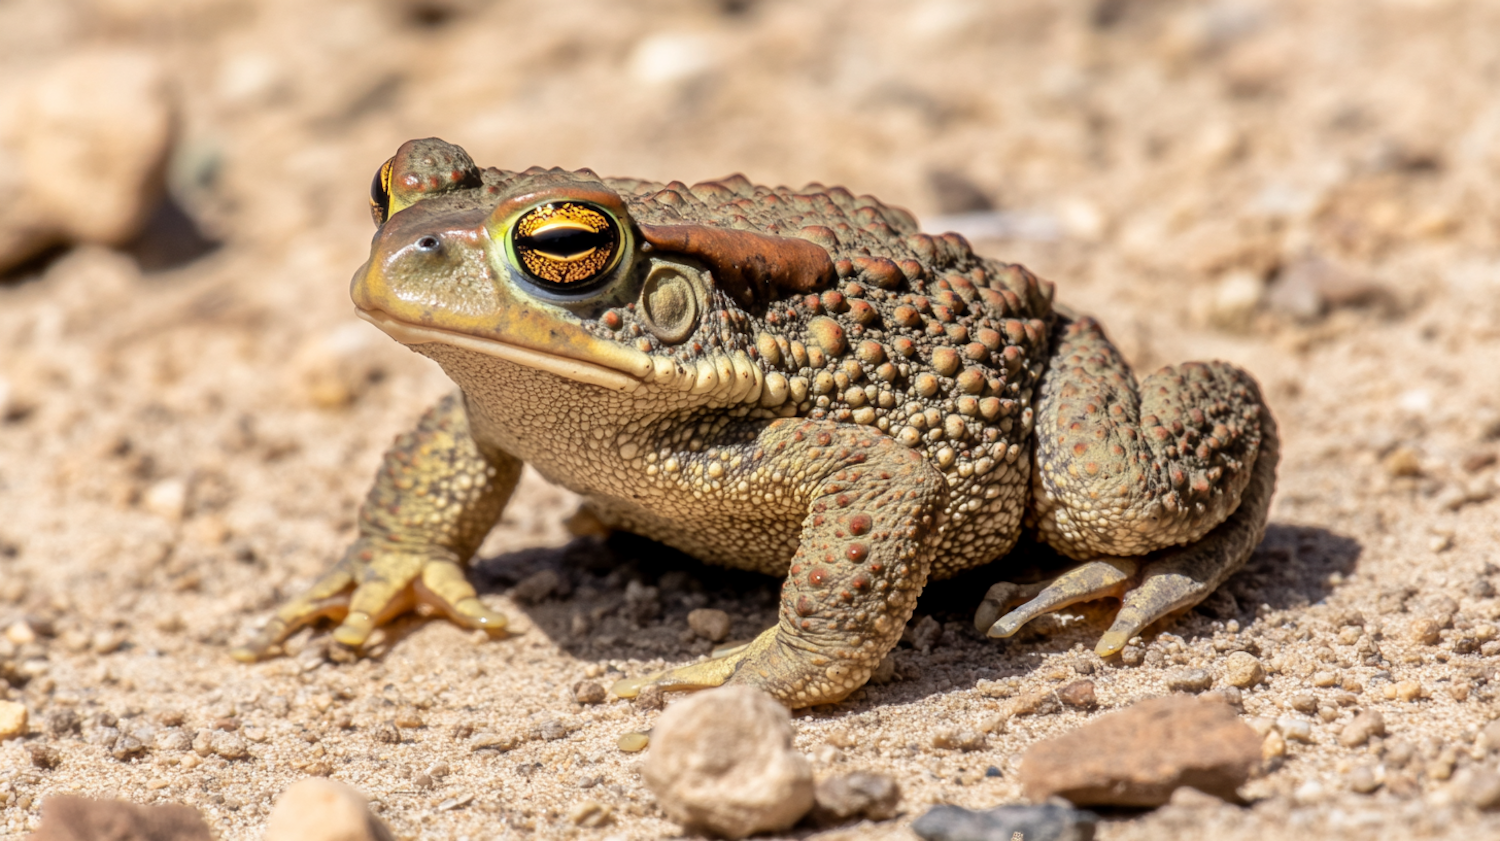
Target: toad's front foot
(369, 587)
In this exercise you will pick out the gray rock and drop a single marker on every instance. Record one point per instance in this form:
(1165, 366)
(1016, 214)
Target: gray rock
(1044, 822)
(722, 762)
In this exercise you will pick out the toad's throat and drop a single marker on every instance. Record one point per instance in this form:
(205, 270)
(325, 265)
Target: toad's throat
(591, 373)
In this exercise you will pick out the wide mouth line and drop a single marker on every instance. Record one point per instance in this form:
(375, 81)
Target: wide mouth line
(579, 370)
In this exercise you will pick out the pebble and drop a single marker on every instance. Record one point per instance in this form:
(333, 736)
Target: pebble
(1273, 745)
(228, 745)
(1489, 736)
(536, 586)
(12, 719)
(1079, 693)
(317, 809)
(1479, 788)
(1242, 669)
(1190, 680)
(861, 794)
(591, 814)
(709, 623)
(722, 762)
(1364, 726)
(1424, 631)
(88, 135)
(1304, 702)
(1409, 690)
(67, 817)
(1139, 755)
(1040, 822)
(1364, 779)
(588, 692)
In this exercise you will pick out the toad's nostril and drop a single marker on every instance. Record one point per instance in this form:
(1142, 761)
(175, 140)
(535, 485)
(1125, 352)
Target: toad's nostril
(427, 243)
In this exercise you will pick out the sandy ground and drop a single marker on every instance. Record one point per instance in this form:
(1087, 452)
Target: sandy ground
(1311, 190)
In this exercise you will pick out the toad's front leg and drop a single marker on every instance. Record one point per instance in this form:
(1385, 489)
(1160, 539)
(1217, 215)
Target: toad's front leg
(861, 561)
(436, 496)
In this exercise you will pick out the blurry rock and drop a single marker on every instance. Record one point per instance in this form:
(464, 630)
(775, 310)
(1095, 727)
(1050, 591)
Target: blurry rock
(1242, 669)
(1477, 787)
(664, 58)
(333, 370)
(709, 623)
(85, 139)
(167, 499)
(954, 192)
(12, 719)
(1043, 822)
(536, 586)
(722, 762)
(1310, 288)
(1138, 756)
(1079, 693)
(1359, 731)
(862, 794)
(317, 809)
(1235, 298)
(69, 818)
(1190, 680)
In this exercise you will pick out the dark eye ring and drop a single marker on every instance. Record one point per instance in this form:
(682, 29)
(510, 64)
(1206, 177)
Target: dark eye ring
(565, 246)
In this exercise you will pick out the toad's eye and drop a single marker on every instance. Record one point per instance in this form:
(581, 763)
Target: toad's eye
(566, 245)
(380, 193)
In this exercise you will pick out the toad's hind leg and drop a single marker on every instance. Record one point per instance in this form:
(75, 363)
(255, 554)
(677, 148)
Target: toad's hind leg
(861, 560)
(1163, 490)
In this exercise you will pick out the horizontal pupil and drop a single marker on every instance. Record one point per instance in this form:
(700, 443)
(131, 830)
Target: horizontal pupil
(565, 241)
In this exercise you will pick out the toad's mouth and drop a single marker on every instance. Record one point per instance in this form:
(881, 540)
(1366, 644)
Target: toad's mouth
(633, 368)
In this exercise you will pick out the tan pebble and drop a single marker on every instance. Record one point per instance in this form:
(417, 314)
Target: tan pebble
(1079, 693)
(1409, 690)
(1295, 729)
(1424, 631)
(1362, 728)
(408, 717)
(633, 742)
(1304, 702)
(1364, 779)
(959, 738)
(1403, 462)
(317, 809)
(167, 499)
(591, 814)
(20, 633)
(157, 784)
(722, 761)
(1273, 745)
(12, 719)
(1324, 679)
(1242, 669)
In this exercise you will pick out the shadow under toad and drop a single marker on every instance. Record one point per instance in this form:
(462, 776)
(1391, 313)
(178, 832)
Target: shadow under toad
(624, 600)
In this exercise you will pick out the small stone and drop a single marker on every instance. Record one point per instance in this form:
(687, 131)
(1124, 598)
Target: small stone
(1079, 693)
(173, 739)
(1190, 680)
(1242, 669)
(68, 817)
(860, 795)
(958, 738)
(1402, 462)
(1295, 729)
(1364, 726)
(722, 762)
(1425, 631)
(923, 634)
(1323, 680)
(1304, 702)
(1479, 788)
(1041, 822)
(12, 719)
(1409, 690)
(87, 137)
(316, 809)
(1273, 745)
(591, 814)
(228, 745)
(20, 633)
(709, 623)
(44, 756)
(1139, 755)
(167, 499)
(1132, 655)
(60, 723)
(651, 697)
(408, 718)
(1364, 779)
(1489, 737)
(488, 739)
(552, 730)
(589, 692)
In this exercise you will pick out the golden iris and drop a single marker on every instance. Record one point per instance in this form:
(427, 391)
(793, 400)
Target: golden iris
(566, 243)
(380, 192)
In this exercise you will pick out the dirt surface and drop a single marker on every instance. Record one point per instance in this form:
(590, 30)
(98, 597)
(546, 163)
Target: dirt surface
(1309, 190)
